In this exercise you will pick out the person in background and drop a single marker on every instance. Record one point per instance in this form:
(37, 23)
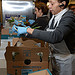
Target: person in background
(45, 1)
(72, 7)
(60, 34)
(41, 11)
(41, 21)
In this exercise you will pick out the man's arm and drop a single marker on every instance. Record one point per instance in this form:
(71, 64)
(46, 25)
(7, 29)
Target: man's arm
(65, 28)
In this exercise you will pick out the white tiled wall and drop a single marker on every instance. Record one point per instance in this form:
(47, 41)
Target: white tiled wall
(2, 59)
(3, 66)
(4, 44)
(2, 63)
(2, 52)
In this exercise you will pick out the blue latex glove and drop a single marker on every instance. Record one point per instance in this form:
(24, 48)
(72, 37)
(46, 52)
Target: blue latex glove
(14, 28)
(16, 22)
(20, 30)
(20, 21)
(24, 20)
(22, 24)
(23, 16)
(31, 21)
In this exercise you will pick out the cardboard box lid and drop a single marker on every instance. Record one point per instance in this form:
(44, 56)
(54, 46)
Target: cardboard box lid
(29, 42)
(14, 41)
(41, 72)
(18, 42)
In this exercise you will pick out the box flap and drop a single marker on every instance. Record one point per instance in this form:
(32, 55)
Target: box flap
(41, 72)
(19, 42)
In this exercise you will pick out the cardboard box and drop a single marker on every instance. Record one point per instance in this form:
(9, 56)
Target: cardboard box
(22, 53)
(20, 68)
(6, 32)
(41, 72)
(27, 58)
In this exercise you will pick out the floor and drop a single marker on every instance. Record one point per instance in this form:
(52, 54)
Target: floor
(3, 71)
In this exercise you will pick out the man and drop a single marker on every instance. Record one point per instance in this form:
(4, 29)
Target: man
(60, 33)
(72, 7)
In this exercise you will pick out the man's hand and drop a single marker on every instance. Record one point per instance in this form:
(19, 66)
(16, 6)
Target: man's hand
(31, 21)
